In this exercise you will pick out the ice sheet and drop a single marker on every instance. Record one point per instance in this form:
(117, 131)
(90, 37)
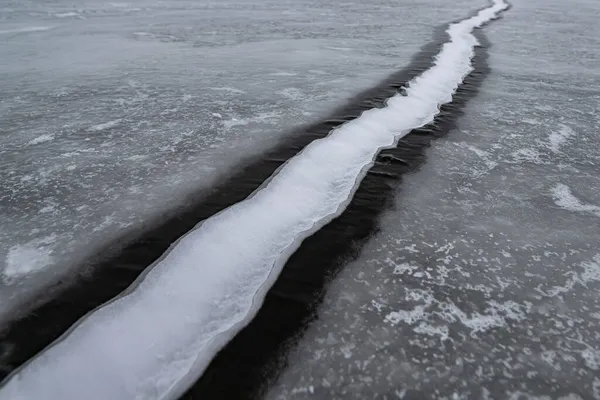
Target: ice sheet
(158, 338)
(197, 86)
(483, 280)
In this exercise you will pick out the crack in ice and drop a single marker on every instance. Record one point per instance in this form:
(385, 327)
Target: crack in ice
(157, 339)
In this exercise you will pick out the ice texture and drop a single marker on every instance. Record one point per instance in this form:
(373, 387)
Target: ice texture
(155, 340)
(116, 114)
(483, 281)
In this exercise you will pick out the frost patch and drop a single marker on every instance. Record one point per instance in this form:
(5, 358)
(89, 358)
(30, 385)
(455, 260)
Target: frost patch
(532, 121)
(401, 269)
(26, 30)
(591, 358)
(66, 15)
(557, 139)
(23, 260)
(292, 93)
(41, 139)
(227, 89)
(431, 330)
(591, 270)
(527, 155)
(485, 157)
(418, 313)
(282, 73)
(108, 221)
(106, 125)
(565, 199)
(496, 315)
(260, 118)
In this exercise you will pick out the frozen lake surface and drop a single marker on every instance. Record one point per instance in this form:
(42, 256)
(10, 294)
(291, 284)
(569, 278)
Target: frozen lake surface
(110, 113)
(482, 281)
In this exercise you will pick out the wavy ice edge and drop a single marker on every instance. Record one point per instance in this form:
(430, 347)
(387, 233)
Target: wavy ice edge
(156, 339)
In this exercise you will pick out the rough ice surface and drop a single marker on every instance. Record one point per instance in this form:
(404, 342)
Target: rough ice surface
(484, 281)
(111, 112)
(167, 329)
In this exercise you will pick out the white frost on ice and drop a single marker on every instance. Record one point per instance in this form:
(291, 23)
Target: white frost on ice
(292, 93)
(495, 315)
(282, 73)
(591, 357)
(41, 139)
(485, 156)
(557, 139)
(401, 269)
(66, 14)
(26, 259)
(106, 125)
(591, 270)
(259, 118)
(531, 121)
(227, 89)
(339, 48)
(527, 155)
(26, 30)
(431, 330)
(107, 221)
(590, 273)
(158, 338)
(565, 199)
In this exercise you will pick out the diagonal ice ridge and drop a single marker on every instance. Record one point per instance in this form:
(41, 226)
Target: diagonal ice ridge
(158, 338)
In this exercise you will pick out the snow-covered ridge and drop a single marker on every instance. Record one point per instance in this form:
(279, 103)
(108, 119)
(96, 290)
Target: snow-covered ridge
(157, 339)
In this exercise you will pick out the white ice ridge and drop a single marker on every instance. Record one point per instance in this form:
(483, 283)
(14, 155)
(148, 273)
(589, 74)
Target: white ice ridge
(157, 339)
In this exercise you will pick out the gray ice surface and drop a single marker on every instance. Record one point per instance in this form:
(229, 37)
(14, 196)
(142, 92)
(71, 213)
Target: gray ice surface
(110, 112)
(485, 279)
